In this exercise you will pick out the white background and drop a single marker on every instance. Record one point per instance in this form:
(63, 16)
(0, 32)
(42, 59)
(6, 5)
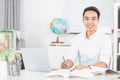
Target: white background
(37, 14)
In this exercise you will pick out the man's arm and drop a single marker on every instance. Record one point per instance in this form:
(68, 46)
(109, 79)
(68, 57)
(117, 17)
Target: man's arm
(99, 64)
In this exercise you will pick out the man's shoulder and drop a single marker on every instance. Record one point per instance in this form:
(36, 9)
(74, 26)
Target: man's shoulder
(104, 37)
(102, 34)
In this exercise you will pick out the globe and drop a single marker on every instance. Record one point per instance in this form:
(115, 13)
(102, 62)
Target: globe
(58, 26)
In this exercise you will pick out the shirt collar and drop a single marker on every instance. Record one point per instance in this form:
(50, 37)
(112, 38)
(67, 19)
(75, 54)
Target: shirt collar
(96, 33)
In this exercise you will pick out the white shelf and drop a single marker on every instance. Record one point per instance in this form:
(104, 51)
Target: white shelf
(116, 34)
(60, 44)
(118, 30)
(56, 53)
(118, 54)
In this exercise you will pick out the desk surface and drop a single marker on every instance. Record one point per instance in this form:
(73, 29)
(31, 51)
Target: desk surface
(33, 75)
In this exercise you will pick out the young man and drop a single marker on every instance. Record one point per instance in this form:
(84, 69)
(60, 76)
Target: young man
(94, 47)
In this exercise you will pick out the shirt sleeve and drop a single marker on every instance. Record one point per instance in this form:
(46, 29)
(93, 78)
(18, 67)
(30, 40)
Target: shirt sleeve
(106, 50)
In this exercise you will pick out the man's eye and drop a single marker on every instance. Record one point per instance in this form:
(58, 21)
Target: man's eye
(93, 18)
(86, 19)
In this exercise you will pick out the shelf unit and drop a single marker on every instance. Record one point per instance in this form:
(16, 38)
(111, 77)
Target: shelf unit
(56, 53)
(116, 37)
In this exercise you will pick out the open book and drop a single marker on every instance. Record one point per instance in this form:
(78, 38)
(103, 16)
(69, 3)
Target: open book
(85, 73)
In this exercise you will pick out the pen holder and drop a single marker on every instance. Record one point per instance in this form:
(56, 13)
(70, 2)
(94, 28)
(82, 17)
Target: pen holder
(14, 64)
(14, 68)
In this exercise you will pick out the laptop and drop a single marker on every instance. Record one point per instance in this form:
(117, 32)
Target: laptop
(36, 59)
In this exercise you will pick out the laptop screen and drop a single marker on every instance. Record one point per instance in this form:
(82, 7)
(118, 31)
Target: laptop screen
(36, 59)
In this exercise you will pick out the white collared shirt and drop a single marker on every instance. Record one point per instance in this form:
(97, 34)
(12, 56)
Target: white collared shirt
(97, 48)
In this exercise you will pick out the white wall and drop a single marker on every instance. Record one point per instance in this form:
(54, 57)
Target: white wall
(117, 0)
(74, 10)
(35, 19)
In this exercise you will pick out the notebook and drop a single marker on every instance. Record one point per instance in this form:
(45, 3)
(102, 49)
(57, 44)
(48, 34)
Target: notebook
(85, 73)
(36, 59)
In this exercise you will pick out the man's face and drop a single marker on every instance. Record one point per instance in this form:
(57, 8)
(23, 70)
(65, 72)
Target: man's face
(90, 20)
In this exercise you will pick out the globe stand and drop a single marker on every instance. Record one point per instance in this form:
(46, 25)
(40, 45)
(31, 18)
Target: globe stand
(57, 41)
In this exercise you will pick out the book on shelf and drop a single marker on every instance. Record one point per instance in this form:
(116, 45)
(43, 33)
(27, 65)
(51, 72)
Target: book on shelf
(84, 73)
(119, 18)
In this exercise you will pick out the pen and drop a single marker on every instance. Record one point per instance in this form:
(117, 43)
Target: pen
(64, 59)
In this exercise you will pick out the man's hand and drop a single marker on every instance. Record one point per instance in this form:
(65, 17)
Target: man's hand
(64, 65)
(67, 64)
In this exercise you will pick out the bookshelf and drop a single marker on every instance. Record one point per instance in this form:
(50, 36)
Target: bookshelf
(117, 36)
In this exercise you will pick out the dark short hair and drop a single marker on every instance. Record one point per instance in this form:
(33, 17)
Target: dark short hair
(93, 9)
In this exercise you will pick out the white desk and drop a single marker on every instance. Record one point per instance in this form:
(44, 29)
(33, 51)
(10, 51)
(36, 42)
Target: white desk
(32, 75)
